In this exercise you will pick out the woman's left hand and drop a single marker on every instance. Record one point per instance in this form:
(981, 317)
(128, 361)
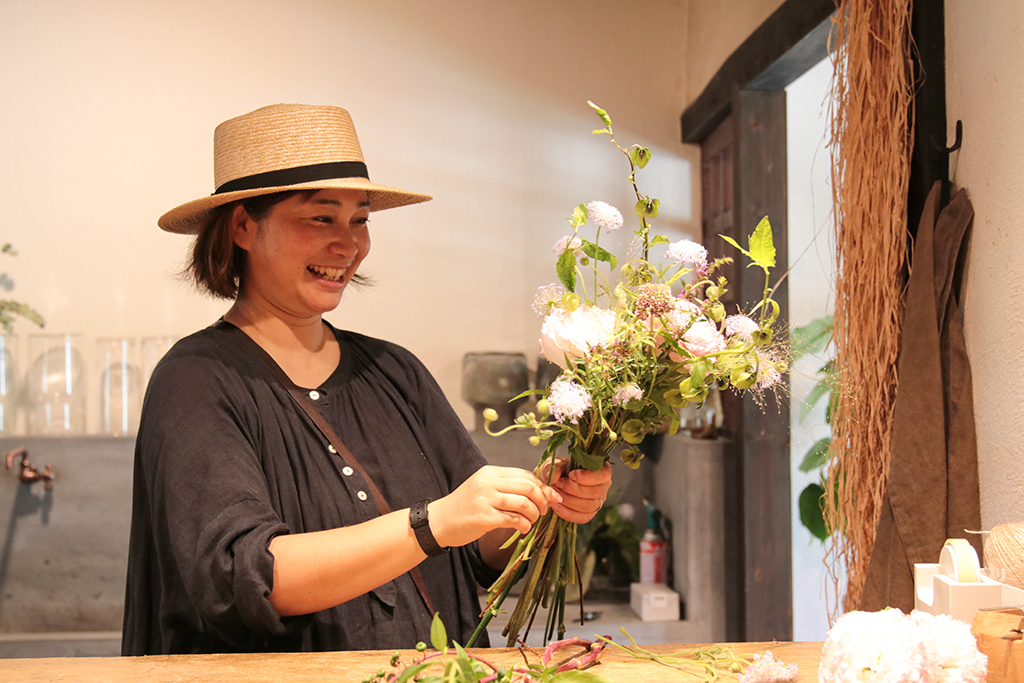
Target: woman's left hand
(583, 491)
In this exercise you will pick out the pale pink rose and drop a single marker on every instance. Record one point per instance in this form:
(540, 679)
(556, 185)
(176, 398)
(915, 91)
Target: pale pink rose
(573, 334)
(703, 338)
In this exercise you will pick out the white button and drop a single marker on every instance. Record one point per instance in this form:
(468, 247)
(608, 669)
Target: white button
(347, 471)
(361, 495)
(315, 395)
(331, 448)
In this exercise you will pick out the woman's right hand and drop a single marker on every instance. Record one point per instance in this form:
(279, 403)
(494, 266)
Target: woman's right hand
(493, 498)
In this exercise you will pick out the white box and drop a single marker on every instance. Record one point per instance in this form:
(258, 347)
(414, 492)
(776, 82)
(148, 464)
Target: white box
(654, 602)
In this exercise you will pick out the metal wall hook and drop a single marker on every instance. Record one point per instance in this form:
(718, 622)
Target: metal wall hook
(29, 473)
(959, 137)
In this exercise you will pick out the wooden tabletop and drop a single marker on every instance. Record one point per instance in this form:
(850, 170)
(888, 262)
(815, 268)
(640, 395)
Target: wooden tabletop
(350, 667)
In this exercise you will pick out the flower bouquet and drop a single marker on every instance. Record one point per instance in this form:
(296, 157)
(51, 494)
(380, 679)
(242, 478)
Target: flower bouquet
(636, 341)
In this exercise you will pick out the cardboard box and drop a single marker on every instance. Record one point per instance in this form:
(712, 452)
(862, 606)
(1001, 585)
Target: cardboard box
(654, 602)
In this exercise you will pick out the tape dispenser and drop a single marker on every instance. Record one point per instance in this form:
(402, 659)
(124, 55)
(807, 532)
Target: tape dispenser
(958, 586)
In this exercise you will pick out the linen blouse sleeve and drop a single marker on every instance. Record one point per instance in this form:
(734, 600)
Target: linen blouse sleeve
(209, 504)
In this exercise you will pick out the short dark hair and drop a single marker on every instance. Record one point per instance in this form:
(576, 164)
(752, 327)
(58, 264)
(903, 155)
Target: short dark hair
(217, 266)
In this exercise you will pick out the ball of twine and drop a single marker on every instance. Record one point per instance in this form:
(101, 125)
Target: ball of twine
(1004, 553)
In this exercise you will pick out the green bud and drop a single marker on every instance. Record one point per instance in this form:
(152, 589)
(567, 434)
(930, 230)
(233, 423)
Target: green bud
(612, 436)
(602, 113)
(735, 667)
(534, 440)
(490, 414)
(713, 292)
(647, 208)
(570, 301)
(395, 658)
(542, 406)
(421, 646)
(584, 261)
(762, 336)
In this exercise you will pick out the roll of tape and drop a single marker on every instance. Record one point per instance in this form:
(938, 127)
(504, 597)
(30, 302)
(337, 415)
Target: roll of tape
(959, 561)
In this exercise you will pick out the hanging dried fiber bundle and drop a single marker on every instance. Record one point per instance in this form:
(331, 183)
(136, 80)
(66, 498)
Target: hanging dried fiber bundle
(871, 141)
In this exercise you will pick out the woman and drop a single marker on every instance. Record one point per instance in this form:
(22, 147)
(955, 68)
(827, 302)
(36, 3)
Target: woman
(251, 531)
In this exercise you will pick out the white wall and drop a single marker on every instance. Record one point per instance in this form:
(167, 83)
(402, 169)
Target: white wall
(110, 107)
(811, 296)
(985, 89)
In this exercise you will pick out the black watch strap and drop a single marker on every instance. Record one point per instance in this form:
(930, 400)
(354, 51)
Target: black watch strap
(421, 527)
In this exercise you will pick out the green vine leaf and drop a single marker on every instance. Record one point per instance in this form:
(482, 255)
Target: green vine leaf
(599, 253)
(607, 120)
(438, 634)
(811, 515)
(762, 248)
(817, 456)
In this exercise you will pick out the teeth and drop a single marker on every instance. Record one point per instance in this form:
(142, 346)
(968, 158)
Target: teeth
(333, 274)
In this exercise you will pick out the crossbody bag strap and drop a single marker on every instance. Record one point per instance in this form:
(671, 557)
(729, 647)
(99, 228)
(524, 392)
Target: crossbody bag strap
(307, 406)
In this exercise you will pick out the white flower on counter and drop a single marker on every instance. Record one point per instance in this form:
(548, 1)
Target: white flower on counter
(892, 647)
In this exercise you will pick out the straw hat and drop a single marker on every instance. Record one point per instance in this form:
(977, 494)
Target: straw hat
(284, 147)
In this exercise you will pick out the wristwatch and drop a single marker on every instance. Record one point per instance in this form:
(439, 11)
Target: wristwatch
(421, 527)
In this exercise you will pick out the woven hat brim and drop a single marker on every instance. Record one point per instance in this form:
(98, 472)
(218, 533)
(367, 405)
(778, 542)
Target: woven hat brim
(190, 218)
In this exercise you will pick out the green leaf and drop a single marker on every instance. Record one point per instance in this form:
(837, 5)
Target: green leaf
(660, 239)
(577, 676)
(812, 337)
(811, 515)
(566, 269)
(599, 253)
(819, 390)
(579, 216)
(735, 244)
(639, 155)
(602, 113)
(438, 635)
(586, 460)
(762, 248)
(409, 672)
(817, 456)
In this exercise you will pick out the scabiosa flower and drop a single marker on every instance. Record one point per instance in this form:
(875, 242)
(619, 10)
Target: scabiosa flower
(567, 243)
(740, 326)
(567, 400)
(768, 374)
(688, 251)
(653, 300)
(574, 333)
(626, 394)
(546, 298)
(767, 669)
(605, 215)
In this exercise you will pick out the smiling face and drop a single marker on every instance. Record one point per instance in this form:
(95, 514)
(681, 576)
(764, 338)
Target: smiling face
(301, 256)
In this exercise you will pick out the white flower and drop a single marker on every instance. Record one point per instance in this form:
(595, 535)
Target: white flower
(604, 215)
(574, 334)
(683, 312)
(567, 400)
(626, 394)
(950, 649)
(567, 243)
(767, 669)
(768, 374)
(688, 251)
(740, 326)
(546, 298)
(891, 647)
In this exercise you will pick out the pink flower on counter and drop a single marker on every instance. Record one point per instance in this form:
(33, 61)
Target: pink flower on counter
(767, 669)
(573, 334)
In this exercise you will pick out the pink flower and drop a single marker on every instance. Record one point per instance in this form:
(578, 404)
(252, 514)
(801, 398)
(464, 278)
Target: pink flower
(688, 251)
(546, 298)
(605, 215)
(703, 338)
(626, 394)
(573, 334)
(740, 326)
(567, 243)
(950, 649)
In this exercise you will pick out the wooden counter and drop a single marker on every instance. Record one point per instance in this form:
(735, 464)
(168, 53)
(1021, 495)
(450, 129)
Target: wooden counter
(347, 667)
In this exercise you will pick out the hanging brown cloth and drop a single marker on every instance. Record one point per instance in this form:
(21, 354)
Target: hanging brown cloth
(932, 491)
